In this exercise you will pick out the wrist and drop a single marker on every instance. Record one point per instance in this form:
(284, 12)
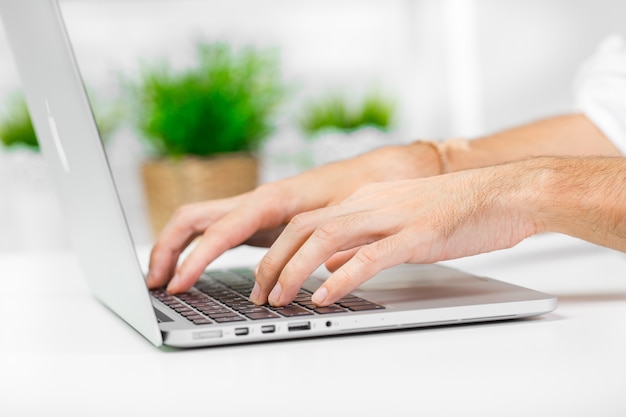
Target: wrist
(449, 154)
(560, 194)
(530, 196)
(400, 162)
(582, 197)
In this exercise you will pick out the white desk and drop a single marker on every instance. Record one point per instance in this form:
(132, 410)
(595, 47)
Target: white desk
(68, 355)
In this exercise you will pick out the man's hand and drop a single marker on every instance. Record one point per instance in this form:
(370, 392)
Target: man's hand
(259, 216)
(385, 224)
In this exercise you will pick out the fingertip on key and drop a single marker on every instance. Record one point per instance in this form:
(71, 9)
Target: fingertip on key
(254, 294)
(171, 287)
(319, 296)
(274, 297)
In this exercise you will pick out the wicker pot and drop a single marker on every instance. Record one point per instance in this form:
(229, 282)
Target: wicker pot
(169, 183)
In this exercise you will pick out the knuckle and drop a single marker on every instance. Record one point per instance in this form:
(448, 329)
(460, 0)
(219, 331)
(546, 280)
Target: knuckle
(181, 213)
(267, 269)
(367, 255)
(181, 220)
(300, 223)
(293, 273)
(266, 195)
(267, 263)
(217, 233)
(266, 190)
(328, 231)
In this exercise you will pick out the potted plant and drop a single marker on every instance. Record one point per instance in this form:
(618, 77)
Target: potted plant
(203, 125)
(339, 128)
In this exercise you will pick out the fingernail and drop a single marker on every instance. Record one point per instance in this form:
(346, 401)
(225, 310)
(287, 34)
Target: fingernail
(319, 296)
(275, 294)
(173, 283)
(254, 295)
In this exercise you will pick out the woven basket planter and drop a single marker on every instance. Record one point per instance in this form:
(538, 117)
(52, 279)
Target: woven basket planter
(169, 183)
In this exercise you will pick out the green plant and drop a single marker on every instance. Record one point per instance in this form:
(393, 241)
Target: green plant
(16, 127)
(225, 103)
(335, 112)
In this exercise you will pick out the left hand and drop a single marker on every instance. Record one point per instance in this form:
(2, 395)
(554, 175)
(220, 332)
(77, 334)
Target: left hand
(389, 223)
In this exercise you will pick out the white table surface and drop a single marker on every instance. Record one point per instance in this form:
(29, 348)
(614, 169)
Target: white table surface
(63, 353)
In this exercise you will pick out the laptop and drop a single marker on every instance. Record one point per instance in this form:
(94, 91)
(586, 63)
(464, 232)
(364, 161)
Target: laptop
(216, 310)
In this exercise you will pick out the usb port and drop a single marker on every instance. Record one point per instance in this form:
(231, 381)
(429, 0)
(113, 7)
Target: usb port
(241, 331)
(269, 328)
(301, 325)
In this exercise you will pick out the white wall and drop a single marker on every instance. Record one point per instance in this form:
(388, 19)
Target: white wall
(531, 49)
(457, 67)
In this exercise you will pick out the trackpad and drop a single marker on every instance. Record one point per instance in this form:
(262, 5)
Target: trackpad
(411, 283)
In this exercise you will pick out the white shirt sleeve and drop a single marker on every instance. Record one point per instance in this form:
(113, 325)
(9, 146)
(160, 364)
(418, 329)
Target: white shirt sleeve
(600, 90)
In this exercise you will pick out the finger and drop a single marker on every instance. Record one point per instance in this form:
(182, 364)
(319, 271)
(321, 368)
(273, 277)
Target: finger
(293, 237)
(229, 231)
(186, 224)
(285, 246)
(368, 261)
(331, 236)
(163, 260)
(337, 260)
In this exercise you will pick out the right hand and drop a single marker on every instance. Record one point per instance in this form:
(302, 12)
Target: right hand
(258, 217)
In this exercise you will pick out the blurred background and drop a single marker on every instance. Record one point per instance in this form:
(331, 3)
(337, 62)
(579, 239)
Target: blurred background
(320, 79)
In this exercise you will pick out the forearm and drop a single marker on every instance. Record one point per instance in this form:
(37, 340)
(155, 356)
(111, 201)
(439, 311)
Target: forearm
(567, 135)
(580, 197)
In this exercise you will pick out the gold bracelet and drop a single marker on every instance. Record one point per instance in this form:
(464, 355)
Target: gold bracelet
(441, 157)
(442, 149)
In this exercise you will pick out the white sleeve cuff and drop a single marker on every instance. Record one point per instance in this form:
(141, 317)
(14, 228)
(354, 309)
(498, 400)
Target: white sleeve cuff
(600, 90)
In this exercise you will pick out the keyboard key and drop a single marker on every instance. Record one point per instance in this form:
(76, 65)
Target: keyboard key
(252, 309)
(228, 319)
(292, 311)
(261, 315)
(211, 311)
(330, 310)
(223, 314)
(308, 304)
(203, 320)
(365, 307)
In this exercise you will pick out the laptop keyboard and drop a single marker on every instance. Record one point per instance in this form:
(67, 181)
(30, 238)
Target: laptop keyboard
(221, 296)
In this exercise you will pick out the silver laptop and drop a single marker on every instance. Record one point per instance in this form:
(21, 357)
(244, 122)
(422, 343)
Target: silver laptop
(216, 310)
